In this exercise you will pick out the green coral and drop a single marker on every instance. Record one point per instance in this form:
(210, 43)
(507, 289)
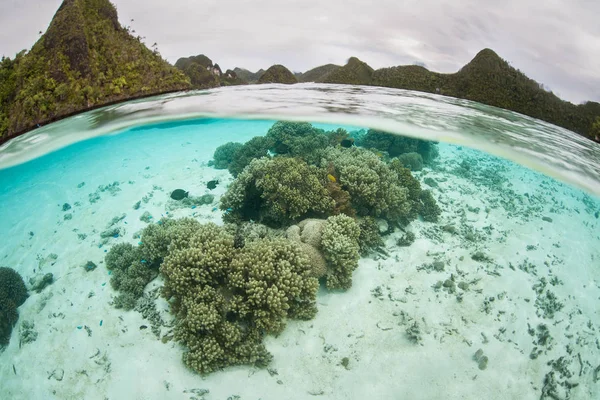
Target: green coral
(412, 161)
(226, 298)
(369, 238)
(13, 293)
(373, 187)
(396, 145)
(254, 148)
(225, 154)
(129, 274)
(298, 139)
(429, 209)
(132, 268)
(339, 243)
(274, 280)
(276, 192)
(408, 181)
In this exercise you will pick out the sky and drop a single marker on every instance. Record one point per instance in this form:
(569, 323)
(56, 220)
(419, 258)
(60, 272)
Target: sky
(555, 42)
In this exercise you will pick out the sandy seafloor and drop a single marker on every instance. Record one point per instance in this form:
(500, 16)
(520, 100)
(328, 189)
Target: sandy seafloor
(87, 349)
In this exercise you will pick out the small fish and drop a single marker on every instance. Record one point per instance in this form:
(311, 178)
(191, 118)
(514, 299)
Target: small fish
(348, 142)
(331, 178)
(179, 194)
(212, 184)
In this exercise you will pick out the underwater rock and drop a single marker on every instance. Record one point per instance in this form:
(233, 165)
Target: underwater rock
(413, 333)
(547, 219)
(191, 201)
(116, 220)
(112, 232)
(39, 282)
(137, 205)
(481, 360)
(406, 240)
(68, 217)
(89, 266)
(383, 225)
(212, 184)
(66, 207)
(480, 256)
(146, 217)
(179, 194)
(27, 333)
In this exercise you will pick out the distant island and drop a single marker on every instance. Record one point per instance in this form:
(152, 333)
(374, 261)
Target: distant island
(87, 59)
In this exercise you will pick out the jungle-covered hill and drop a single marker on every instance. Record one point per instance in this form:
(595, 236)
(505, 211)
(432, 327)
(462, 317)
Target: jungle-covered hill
(87, 59)
(84, 60)
(487, 79)
(204, 74)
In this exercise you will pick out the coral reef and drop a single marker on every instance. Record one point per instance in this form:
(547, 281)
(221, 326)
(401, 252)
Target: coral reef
(396, 145)
(369, 238)
(277, 192)
(297, 139)
(225, 154)
(429, 209)
(373, 187)
(254, 148)
(130, 273)
(226, 298)
(412, 161)
(13, 293)
(339, 243)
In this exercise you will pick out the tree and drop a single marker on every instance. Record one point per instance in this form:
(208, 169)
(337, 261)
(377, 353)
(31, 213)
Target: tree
(595, 131)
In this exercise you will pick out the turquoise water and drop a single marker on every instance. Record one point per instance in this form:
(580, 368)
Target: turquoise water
(510, 268)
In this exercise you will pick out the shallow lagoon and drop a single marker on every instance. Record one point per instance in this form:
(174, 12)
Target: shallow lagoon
(510, 268)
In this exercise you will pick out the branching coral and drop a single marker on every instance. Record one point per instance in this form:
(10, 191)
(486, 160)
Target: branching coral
(272, 279)
(13, 293)
(369, 237)
(429, 209)
(339, 243)
(276, 192)
(256, 147)
(406, 180)
(130, 273)
(373, 187)
(225, 298)
(297, 139)
(225, 154)
(395, 145)
(412, 161)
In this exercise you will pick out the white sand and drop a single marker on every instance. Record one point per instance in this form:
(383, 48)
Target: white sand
(117, 360)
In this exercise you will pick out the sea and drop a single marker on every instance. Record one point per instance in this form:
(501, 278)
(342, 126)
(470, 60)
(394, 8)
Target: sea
(499, 298)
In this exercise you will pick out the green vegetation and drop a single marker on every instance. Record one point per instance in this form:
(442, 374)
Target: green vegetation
(490, 80)
(85, 59)
(355, 72)
(318, 74)
(204, 74)
(13, 293)
(247, 76)
(278, 74)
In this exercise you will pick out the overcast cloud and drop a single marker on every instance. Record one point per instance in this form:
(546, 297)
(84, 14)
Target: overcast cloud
(555, 42)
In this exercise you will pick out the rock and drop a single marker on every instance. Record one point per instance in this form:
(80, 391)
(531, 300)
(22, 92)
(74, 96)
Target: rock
(40, 282)
(382, 225)
(547, 219)
(66, 207)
